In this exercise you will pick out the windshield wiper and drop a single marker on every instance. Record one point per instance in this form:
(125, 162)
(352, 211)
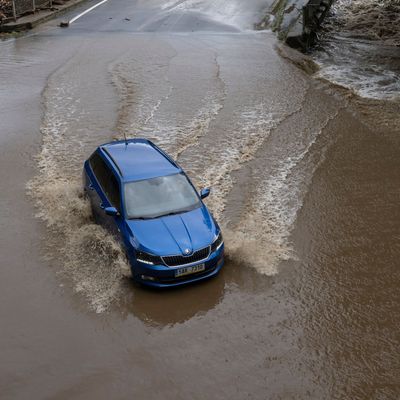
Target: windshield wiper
(142, 218)
(176, 212)
(167, 214)
(170, 213)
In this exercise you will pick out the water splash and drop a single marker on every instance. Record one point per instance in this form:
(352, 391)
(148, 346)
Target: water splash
(368, 19)
(359, 48)
(91, 259)
(277, 199)
(255, 125)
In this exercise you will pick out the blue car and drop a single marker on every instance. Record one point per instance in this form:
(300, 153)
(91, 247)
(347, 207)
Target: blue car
(146, 200)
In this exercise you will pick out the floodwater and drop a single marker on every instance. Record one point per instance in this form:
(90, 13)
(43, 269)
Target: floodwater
(359, 47)
(305, 184)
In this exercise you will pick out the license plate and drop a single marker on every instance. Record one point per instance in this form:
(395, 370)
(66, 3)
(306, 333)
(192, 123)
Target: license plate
(189, 270)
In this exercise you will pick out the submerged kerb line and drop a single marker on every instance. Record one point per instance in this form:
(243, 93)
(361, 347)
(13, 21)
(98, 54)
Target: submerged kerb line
(86, 11)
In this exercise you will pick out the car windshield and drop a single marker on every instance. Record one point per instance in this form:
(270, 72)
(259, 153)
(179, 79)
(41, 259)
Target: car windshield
(164, 195)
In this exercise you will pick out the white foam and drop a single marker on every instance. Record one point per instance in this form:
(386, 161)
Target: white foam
(255, 124)
(378, 83)
(359, 48)
(277, 201)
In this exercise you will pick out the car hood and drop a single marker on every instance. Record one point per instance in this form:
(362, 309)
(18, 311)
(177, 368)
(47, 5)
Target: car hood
(174, 234)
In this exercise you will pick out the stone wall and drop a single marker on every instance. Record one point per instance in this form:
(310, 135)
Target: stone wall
(297, 21)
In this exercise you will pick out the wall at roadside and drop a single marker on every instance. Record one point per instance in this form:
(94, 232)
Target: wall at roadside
(30, 20)
(297, 21)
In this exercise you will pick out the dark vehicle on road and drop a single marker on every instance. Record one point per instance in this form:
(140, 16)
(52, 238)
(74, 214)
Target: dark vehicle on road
(146, 200)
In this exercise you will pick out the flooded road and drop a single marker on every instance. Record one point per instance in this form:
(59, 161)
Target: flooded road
(305, 184)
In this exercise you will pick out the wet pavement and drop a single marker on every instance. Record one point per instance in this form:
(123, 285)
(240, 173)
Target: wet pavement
(305, 185)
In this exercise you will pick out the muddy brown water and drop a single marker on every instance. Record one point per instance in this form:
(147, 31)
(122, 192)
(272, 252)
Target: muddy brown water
(305, 180)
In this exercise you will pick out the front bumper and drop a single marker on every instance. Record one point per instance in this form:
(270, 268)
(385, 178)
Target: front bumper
(162, 276)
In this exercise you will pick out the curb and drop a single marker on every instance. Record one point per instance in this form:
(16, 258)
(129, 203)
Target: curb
(33, 20)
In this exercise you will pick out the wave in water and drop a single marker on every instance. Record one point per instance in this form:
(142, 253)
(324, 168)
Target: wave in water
(359, 47)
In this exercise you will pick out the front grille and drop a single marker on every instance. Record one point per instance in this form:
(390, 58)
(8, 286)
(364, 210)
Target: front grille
(198, 255)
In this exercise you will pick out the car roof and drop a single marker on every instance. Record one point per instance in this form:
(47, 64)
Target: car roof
(137, 159)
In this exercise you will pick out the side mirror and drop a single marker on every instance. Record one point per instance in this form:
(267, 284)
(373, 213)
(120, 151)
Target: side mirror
(112, 211)
(205, 193)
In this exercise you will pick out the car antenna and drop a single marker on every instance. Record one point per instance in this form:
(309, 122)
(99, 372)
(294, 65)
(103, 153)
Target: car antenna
(126, 140)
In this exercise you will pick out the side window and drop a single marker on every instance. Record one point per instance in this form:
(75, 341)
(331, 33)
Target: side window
(113, 191)
(106, 179)
(99, 168)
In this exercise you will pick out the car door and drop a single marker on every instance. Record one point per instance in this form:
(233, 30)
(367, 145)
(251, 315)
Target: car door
(104, 192)
(112, 192)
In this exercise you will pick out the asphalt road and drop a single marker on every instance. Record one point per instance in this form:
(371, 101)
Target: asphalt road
(304, 184)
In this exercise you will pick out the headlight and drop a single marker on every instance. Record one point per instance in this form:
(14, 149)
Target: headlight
(218, 242)
(147, 258)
